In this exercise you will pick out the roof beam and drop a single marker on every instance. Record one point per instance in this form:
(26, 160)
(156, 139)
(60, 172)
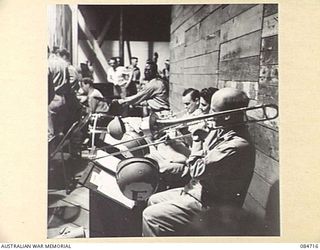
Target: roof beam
(94, 46)
(105, 30)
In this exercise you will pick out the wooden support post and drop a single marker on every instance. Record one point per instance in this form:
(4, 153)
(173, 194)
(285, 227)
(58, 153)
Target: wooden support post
(129, 50)
(74, 43)
(121, 44)
(93, 44)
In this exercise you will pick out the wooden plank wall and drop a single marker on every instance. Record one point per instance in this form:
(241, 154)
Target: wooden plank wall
(233, 46)
(60, 26)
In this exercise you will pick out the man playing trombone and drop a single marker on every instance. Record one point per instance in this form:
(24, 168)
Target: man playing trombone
(220, 166)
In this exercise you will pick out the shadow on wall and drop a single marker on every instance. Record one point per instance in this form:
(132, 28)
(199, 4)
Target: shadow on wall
(232, 221)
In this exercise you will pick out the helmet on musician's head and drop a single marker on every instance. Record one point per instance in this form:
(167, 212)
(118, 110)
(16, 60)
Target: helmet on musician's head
(138, 178)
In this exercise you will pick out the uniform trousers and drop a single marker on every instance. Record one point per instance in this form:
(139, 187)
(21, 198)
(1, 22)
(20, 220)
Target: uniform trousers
(170, 213)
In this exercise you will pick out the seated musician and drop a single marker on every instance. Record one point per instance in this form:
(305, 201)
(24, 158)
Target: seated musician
(205, 99)
(172, 155)
(220, 166)
(92, 97)
(155, 93)
(191, 101)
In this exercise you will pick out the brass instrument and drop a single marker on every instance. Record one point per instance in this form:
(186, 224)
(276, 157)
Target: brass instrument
(158, 127)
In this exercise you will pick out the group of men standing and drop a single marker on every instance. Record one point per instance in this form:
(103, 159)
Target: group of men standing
(70, 91)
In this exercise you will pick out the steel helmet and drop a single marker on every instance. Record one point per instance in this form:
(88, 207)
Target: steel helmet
(137, 178)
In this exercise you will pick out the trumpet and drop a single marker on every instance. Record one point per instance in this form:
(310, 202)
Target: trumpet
(158, 126)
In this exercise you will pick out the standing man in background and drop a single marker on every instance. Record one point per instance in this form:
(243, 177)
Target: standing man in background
(111, 74)
(166, 71)
(134, 78)
(58, 77)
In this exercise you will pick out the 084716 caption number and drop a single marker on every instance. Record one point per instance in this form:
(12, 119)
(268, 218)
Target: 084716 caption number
(304, 245)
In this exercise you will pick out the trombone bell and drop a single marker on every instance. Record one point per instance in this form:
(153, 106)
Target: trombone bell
(252, 114)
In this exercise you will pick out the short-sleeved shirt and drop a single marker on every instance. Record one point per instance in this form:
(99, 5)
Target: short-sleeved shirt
(136, 74)
(111, 74)
(96, 105)
(155, 93)
(224, 168)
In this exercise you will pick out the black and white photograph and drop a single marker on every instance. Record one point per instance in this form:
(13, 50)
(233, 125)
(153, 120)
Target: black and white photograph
(163, 120)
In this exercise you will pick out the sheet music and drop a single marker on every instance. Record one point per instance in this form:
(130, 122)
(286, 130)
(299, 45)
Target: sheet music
(109, 162)
(107, 185)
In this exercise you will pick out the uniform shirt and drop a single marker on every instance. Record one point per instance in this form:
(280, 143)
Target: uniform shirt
(222, 170)
(111, 75)
(155, 93)
(135, 73)
(94, 104)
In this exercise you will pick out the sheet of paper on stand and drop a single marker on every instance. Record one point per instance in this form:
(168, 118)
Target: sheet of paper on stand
(95, 179)
(133, 123)
(110, 140)
(137, 124)
(109, 187)
(109, 162)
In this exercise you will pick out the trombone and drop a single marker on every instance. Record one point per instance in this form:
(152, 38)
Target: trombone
(158, 126)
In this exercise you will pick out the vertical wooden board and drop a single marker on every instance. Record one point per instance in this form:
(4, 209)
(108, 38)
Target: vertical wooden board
(212, 42)
(178, 38)
(201, 70)
(200, 81)
(201, 14)
(253, 206)
(259, 190)
(266, 140)
(195, 49)
(178, 18)
(245, 46)
(269, 57)
(269, 43)
(231, 84)
(269, 75)
(176, 79)
(192, 35)
(192, 62)
(232, 10)
(251, 89)
(204, 64)
(270, 9)
(187, 12)
(267, 167)
(175, 11)
(211, 23)
(221, 84)
(177, 53)
(242, 24)
(176, 67)
(240, 69)
(268, 93)
(210, 60)
(270, 26)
